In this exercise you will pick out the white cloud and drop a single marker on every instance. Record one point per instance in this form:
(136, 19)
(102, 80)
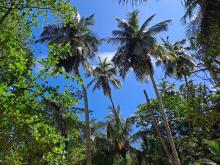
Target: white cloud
(39, 66)
(42, 56)
(214, 88)
(108, 55)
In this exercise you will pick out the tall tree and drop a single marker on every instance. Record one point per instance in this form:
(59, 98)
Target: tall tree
(83, 45)
(135, 51)
(31, 130)
(204, 26)
(117, 141)
(156, 127)
(177, 62)
(104, 75)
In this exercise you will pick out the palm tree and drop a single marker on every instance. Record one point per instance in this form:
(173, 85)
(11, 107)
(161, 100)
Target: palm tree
(84, 45)
(156, 127)
(179, 64)
(118, 138)
(104, 75)
(205, 15)
(204, 25)
(135, 51)
(176, 62)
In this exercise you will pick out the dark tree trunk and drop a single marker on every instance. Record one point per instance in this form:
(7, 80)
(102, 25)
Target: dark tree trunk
(113, 108)
(115, 111)
(155, 125)
(166, 124)
(187, 86)
(5, 15)
(189, 104)
(87, 121)
(210, 32)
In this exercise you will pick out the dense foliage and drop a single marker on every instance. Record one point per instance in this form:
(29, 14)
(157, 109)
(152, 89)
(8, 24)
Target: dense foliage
(37, 124)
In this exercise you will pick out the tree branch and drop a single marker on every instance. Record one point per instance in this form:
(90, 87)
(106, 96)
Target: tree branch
(6, 14)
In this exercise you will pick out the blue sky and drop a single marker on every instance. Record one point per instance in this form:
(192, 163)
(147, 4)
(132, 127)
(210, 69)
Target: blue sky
(131, 93)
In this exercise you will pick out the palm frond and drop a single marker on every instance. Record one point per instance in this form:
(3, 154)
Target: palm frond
(146, 23)
(133, 2)
(190, 6)
(51, 33)
(133, 20)
(91, 82)
(121, 34)
(116, 83)
(137, 135)
(160, 27)
(89, 20)
(123, 24)
(115, 40)
(129, 123)
(84, 44)
(180, 43)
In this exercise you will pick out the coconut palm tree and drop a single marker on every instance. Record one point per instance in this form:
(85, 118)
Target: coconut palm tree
(104, 75)
(156, 127)
(136, 45)
(176, 61)
(204, 25)
(117, 142)
(206, 14)
(84, 45)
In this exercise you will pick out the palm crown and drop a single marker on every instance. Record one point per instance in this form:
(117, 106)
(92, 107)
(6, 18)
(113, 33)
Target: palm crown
(135, 44)
(136, 47)
(177, 63)
(83, 45)
(104, 74)
(83, 42)
(120, 138)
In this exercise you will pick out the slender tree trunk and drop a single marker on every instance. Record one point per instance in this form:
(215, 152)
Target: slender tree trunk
(115, 111)
(113, 107)
(155, 125)
(187, 86)
(6, 14)
(189, 104)
(87, 120)
(166, 124)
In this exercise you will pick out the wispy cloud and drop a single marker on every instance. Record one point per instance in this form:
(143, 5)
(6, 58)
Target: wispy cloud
(108, 55)
(38, 66)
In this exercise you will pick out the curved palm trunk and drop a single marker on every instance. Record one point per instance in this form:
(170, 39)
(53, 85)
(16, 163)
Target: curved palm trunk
(187, 86)
(210, 26)
(115, 111)
(189, 104)
(87, 120)
(155, 125)
(6, 14)
(166, 124)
